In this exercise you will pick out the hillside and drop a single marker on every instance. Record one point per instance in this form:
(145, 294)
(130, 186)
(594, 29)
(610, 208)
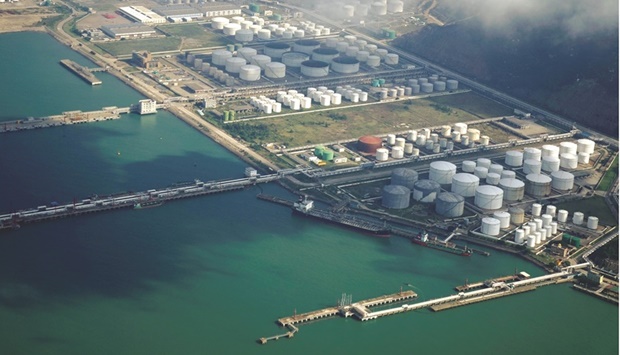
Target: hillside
(573, 75)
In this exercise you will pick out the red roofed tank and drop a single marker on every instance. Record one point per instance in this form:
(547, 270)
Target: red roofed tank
(369, 144)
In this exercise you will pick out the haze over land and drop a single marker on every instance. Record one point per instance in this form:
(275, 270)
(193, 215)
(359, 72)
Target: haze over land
(559, 54)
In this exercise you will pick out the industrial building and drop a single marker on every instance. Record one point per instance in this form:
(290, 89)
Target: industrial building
(179, 12)
(145, 60)
(141, 14)
(130, 30)
(213, 10)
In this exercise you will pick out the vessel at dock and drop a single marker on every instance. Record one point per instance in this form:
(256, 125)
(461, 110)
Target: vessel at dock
(148, 204)
(306, 207)
(423, 239)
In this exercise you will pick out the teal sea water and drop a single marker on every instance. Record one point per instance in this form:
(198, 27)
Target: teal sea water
(211, 275)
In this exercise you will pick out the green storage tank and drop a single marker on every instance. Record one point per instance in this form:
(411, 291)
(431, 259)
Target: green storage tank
(328, 155)
(375, 83)
(276, 17)
(226, 116)
(390, 34)
(230, 47)
(232, 115)
(254, 8)
(566, 239)
(381, 81)
(576, 242)
(318, 151)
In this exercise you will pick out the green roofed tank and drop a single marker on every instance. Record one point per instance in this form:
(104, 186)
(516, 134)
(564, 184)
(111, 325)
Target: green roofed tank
(328, 155)
(318, 151)
(254, 8)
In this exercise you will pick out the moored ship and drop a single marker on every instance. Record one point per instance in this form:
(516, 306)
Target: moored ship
(306, 207)
(148, 204)
(423, 239)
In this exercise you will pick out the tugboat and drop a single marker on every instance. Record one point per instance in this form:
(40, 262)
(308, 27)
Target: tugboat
(423, 239)
(305, 207)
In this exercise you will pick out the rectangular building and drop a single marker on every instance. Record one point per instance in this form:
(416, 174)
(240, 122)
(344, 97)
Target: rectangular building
(130, 30)
(180, 11)
(145, 60)
(141, 14)
(220, 10)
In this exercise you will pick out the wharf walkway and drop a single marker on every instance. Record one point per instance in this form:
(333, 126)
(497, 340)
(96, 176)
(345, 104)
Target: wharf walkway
(66, 118)
(83, 72)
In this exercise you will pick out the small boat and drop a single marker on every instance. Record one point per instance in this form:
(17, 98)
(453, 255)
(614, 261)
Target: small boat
(148, 204)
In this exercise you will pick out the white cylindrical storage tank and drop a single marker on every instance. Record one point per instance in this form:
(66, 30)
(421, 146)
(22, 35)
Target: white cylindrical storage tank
(288, 34)
(446, 131)
(382, 154)
(275, 70)
(514, 158)
(568, 161)
(350, 39)
(276, 49)
(536, 209)
(508, 174)
(426, 132)
(395, 197)
(531, 241)
(415, 152)
(373, 61)
(533, 227)
(371, 48)
(442, 172)
(539, 223)
(306, 46)
(420, 140)
(415, 89)
(537, 185)
(342, 46)
(306, 103)
(426, 88)
(345, 65)
(483, 162)
(325, 100)
(434, 137)
(546, 219)
(517, 215)
(299, 33)
(484, 140)
(219, 57)
(412, 136)
(592, 222)
(244, 35)
(404, 177)
(233, 65)
(443, 143)
(489, 197)
(532, 153)
(449, 204)
(324, 54)
(263, 34)
(295, 104)
(468, 166)
(549, 150)
(391, 139)
(400, 141)
(398, 152)
(409, 148)
(260, 60)
(461, 128)
(493, 179)
(532, 166)
(496, 169)
(452, 84)
(331, 42)
(426, 190)
(526, 229)
(351, 51)
(503, 217)
(348, 10)
(362, 56)
(237, 19)
(550, 210)
(519, 236)
(490, 226)
(562, 216)
(481, 172)
(513, 189)
(439, 86)
(294, 59)
(246, 24)
(568, 147)
(425, 80)
(247, 53)
(473, 134)
(429, 145)
(336, 99)
(562, 180)
(543, 235)
(249, 73)
(231, 29)
(391, 59)
(583, 158)
(578, 218)
(314, 68)
(554, 228)
(395, 6)
(219, 22)
(363, 96)
(550, 163)
(465, 184)
(378, 8)
(585, 146)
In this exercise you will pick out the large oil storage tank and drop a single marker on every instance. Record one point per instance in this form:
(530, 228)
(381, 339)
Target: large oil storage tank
(549, 150)
(517, 215)
(324, 54)
(568, 147)
(219, 22)
(490, 226)
(452, 84)
(247, 53)
(513, 189)
(394, 6)
(275, 70)
(503, 217)
(426, 88)
(426, 190)
(442, 172)
(404, 177)
(219, 57)
(550, 163)
(263, 34)
(373, 61)
(260, 60)
(233, 65)
(585, 146)
(244, 35)
(294, 59)
(314, 68)
(568, 161)
(489, 197)
(362, 56)
(276, 49)
(249, 73)
(369, 144)
(306, 45)
(514, 158)
(465, 184)
(345, 65)
(532, 166)
(391, 59)
(562, 180)
(449, 204)
(395, 196)
(382, 154)
(532, 153)
(231, 28)
(537, 185)
(468, 166)
(378, 8)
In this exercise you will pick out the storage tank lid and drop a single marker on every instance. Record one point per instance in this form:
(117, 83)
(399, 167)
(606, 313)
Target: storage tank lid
(489, 190)
(540, 178)
(465, 178)
(513, 183)
(450, 197)
(490, 220)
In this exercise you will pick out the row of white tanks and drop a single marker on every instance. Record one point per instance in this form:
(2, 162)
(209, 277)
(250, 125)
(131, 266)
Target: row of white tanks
(357, 49)
(551, 158)
(433, 83)
(562, 215)
(266, 104)
(361, 10)
(244, 29)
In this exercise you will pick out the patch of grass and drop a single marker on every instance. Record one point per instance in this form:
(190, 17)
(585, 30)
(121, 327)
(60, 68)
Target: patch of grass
(593, 206)
(151, 44)
(610, 176)
(474, 104)
(194, 35)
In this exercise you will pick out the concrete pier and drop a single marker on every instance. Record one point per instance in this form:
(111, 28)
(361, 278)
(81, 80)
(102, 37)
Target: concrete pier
(83, 72)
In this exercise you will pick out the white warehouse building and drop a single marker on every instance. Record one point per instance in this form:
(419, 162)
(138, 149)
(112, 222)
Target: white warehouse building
(141, 14)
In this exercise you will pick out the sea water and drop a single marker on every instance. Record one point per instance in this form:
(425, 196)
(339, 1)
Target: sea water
(210, 275)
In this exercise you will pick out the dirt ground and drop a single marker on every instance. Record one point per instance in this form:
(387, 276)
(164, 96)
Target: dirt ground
(23, 15)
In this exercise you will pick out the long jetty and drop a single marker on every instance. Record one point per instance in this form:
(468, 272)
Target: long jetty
(83, 72)
(501, 287)
(151, 197)
(66, 118)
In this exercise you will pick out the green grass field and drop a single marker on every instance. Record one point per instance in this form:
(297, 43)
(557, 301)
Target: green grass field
(593, 206)
(194, 35)
(354, 121)
(152, 45)
(610, 176)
